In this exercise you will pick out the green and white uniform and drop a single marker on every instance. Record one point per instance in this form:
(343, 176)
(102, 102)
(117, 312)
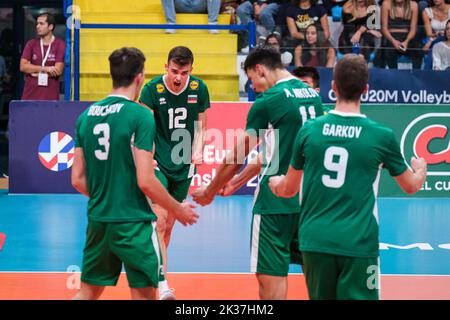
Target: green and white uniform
(275, 117)
(121, 224)
(176, 115)
(342, 155)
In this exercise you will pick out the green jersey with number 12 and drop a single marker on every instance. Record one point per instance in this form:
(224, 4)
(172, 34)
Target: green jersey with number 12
(175, 117)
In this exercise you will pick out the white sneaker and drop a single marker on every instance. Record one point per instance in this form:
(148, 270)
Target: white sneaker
(213, 31)
(167, 295)
(170, 31)
(245, 50)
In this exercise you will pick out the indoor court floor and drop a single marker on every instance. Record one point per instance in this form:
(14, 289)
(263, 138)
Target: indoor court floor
(42, 238)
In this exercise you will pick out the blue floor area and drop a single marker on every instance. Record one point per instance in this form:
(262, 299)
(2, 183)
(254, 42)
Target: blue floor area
(47, 233)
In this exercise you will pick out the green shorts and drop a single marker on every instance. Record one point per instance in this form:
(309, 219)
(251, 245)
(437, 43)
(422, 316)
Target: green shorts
(108, 245)
(177, 189)
(271, 243)
(331, 277)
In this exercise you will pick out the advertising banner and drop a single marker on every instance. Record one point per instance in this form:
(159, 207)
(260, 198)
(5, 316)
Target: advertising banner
(41, 144)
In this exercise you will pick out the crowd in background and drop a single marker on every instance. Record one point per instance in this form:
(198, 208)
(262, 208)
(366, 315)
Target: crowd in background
(319, 33)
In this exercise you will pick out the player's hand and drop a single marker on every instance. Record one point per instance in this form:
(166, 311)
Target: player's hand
(201, 197)
(419, 165)
(197, 158)
(274, 182)
(187, 215)
(229, 188)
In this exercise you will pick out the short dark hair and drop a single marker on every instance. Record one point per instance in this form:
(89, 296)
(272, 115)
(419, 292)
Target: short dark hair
(273, 35)
(182, 56)
(49, 18)
(311, 72)
(351, 76)
(125, 64)
(268, 56)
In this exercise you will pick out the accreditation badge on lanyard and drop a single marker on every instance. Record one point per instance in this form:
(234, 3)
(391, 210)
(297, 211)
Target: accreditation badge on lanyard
(42, 76)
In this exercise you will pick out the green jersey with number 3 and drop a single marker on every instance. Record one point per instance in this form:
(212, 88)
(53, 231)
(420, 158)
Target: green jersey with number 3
(175, 117)
(275, 117)
(107, 132)
(342, 155)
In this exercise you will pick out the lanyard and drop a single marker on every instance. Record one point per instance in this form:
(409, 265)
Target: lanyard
(44, 59)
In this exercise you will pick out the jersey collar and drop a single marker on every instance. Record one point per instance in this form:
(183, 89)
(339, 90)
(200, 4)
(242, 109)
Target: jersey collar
(174, 93)
(286, 79)
(348, 114)
(119, 96)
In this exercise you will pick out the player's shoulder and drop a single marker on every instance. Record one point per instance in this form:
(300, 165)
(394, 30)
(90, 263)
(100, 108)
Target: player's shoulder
(379, 127)
(195, 83)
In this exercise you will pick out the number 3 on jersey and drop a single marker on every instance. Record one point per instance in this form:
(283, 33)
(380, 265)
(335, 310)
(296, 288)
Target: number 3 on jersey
(175, 118)
(339, 166)
(102, 129)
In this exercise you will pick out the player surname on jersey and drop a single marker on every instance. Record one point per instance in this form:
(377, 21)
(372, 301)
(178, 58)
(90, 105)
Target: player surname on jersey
(101, 111)
(341, 131)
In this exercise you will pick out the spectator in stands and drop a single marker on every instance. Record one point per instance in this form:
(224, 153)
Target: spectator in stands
(42, 62)
(441, 51)
(303, 14)
(263, 11)
(315, 50)
(355, 16)
(212, 7)
(274, 40)
(399, 26)
(435, 17)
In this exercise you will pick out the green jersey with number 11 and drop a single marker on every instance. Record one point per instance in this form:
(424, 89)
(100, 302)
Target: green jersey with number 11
(342, 155)
(275, 117)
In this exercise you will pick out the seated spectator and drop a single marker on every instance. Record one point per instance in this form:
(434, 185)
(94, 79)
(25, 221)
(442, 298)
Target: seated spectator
(399, 26)
(356, 31)
(274, 40)
(303, 14)
(434, 19)
(315, 51)
(441, 51)
(42, 61)
(263, 11)
(170, 7)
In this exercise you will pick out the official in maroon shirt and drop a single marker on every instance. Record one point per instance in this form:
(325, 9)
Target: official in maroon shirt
(43, 62)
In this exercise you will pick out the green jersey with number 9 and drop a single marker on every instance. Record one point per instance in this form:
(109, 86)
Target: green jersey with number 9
(275, 117)
(107, 132)
(342, 155)
(175, 116)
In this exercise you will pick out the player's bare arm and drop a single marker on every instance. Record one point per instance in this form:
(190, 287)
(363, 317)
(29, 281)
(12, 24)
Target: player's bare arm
(199, 139)
(232, 162)
(251, 170)
(286, 186)
(79, 181)
(153, 189)
(412, 180)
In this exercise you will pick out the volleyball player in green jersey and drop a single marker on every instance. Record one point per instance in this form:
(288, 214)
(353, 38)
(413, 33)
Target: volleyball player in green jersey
(113, 166)
(309, 76)
(275, 117)
(179, 102)
(339, 157)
